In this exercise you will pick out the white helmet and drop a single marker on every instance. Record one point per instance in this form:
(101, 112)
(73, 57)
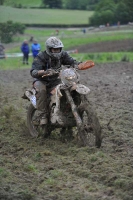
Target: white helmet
(54, 42)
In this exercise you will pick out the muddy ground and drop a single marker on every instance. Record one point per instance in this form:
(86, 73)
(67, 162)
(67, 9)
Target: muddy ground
(56, 169)
(107, 46)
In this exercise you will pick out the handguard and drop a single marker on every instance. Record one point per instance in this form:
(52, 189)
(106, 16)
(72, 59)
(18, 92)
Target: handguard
(86, 65)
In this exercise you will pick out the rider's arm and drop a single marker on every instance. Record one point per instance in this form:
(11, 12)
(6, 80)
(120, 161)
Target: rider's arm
(68, 60)
(37, 67)
(37, 73)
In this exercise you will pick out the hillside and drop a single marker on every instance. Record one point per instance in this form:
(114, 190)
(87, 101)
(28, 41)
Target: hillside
(44, 16)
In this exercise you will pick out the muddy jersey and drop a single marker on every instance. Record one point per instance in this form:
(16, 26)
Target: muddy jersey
(43, 62)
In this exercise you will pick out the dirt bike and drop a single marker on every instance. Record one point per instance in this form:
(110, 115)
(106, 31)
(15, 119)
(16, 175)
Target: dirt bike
(68, 107)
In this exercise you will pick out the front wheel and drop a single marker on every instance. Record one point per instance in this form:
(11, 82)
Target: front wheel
(90, 130)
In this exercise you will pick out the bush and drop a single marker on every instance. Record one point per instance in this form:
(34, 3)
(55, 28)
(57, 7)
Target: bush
(125, 58)
(103, 17)
(9, 29)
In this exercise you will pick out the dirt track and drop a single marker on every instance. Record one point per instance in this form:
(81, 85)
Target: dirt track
(107, 46)
(51, 169)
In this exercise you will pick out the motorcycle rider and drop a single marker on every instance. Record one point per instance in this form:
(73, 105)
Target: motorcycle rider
(50, 59)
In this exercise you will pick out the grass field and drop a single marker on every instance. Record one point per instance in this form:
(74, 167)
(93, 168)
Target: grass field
(70, 37)
(44, 16)
(27, 3)
(104, 57)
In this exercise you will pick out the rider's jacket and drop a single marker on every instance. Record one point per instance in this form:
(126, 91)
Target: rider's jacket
(43, 62)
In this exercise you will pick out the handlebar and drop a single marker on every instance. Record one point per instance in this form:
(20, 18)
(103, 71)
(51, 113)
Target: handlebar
(50, 72)
(82, 66)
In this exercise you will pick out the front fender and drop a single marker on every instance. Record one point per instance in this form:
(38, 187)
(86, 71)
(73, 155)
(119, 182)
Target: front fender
(82, 89)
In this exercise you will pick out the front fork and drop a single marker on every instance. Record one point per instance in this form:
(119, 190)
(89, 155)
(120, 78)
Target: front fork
(74, 108)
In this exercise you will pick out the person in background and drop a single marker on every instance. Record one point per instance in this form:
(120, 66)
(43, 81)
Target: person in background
(35, 48)
(25, 50)
(2, 51)
(57, 32)
(31, 39)
(84, 30)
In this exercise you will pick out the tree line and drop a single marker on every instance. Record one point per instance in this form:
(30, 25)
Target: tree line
(112, 11)
(70, 4)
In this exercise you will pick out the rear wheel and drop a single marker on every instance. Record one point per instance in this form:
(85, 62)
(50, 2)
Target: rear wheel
(33, 123)
(90, 131)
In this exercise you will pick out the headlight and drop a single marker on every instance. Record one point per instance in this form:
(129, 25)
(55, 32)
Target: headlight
(69, 76)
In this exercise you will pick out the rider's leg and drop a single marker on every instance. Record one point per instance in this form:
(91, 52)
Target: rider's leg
(41, 100)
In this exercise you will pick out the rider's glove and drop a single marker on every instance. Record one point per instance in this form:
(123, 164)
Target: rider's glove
(76, 63)
(41, 72)
(49, 72)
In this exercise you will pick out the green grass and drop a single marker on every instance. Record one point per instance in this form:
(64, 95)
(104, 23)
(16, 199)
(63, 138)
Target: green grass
(16, 63)
(44, 16)
(106, 57)
(27, 3)
(71, 38)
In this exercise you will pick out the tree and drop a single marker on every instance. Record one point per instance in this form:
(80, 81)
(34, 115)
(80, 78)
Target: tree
(2, 2)
(104, 5)
(104, 13)
(70, 4)
(122, 13)
(9, 29)
(83, 4)
(80, 4)
(52, 3)
(104, 17)
(129, 4)
(91, 4)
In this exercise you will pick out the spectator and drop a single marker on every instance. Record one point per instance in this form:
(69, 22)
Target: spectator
(107, 24)
(31, 39)
(2, 51)
(35, 48)
(25, 50)
(57, 32)
(118, 23)
(84, 30)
